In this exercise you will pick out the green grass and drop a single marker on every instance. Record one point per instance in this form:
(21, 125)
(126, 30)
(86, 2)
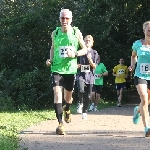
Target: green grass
(12, 123)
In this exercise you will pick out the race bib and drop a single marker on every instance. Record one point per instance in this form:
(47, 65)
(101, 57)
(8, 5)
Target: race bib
(145, 68)
(63, 51)
(96, 76)
(121, 71)
(85, 68)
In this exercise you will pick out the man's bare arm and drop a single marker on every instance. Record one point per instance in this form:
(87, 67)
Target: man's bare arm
(52, 47)
(49, 61)
(83, 51)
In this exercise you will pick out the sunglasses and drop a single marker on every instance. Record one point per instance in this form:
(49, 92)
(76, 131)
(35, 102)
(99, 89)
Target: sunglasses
(63, 18)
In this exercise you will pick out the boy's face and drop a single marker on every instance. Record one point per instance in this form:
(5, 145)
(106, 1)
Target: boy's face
(88, 42)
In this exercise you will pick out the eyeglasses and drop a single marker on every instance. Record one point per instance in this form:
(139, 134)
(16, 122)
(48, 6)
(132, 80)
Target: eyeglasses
(63, 18)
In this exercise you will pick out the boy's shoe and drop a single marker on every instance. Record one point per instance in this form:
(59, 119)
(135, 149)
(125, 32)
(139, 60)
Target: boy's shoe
(119, 104)
(84, 116)
(67, 115)
(60, 130)
(79, 108)
(95, 109)
(136, 117)
(147, 132)
(91, 107)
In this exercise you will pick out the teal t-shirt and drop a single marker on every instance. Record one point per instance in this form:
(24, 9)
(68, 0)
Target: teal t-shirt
(99, 70)
(143, 62)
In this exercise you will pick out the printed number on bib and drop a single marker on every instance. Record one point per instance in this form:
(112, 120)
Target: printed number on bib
(121, 71)
(96, 76)
(63, 51)
(85, 68)
(145, 68)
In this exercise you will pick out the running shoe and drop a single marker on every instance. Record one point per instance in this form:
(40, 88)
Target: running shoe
(79, 108)
(95, 109)
(67, 115)
(147, 132)
(119, 104)
(91, 107)
(60, 130)
(136, 117)
(84, 116)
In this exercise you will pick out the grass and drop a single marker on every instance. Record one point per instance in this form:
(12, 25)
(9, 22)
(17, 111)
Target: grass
(12, 123)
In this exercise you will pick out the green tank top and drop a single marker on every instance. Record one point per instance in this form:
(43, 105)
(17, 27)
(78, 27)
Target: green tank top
(62, 41)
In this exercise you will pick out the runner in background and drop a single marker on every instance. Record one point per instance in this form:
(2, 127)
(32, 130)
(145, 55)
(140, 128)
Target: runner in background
(120, 72)
(99, 72)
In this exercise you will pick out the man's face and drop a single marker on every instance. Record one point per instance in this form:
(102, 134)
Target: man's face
(121, 61)
(88, 42)
(65, 18)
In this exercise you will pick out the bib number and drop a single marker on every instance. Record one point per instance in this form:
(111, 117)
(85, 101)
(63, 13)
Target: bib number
(121, 71)
(145, 68)
(85, 68)
(63, 51)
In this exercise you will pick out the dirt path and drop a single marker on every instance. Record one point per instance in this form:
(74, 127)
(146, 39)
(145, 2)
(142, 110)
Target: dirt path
(109, 129)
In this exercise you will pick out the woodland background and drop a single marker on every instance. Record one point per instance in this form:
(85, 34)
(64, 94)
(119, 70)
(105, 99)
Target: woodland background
(25, 33)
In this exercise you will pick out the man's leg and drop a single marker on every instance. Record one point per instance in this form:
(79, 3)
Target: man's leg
(81, 92)
(98, 91)
(68, 88)
(88, 92)
(118, 87)
(80, 100)
(57, 87)
(120, 97)
(93, 98)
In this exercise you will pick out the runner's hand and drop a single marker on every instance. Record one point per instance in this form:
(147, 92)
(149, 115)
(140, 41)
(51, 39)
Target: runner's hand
(89, 56)
(70, 53)
(78, 66)
(48, 62)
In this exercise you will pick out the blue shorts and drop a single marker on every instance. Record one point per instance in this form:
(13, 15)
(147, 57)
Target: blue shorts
(120, 86)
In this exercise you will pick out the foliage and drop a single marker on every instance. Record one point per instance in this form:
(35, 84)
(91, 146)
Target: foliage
(26, 28)
(11, 124)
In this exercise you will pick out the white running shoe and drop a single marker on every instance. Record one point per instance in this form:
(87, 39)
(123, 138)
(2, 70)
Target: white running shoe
(95, 109)
(84, 116)
(91, 107)
(119, 104)
(79, 108)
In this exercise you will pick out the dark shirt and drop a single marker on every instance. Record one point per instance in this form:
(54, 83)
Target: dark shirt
(88, 77)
